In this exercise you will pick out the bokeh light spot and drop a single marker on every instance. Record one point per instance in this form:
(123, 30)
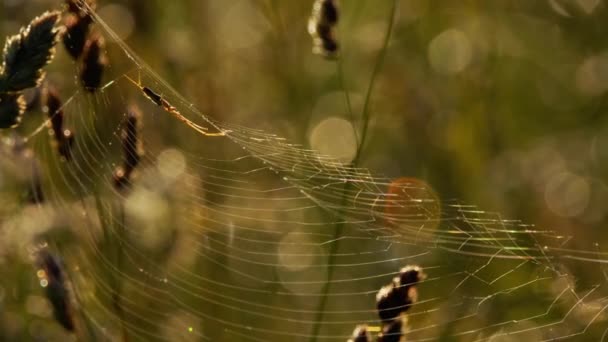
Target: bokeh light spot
(567, 194)
(450, 52)
(243, 26)
(412, 203)
(296, 252)
(592, 76)
(171, 163)
(37, 305)
(150, 212)
(334, 137)
(119, 18)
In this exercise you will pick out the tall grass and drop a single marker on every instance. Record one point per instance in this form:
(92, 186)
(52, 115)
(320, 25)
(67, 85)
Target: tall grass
(365, 119)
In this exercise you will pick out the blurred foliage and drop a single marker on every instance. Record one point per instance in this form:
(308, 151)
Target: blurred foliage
(497, 103)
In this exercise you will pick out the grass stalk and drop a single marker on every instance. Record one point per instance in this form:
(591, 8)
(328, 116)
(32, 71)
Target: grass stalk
(113, 246)
(365, 117)
(117, 295)
(347, 100)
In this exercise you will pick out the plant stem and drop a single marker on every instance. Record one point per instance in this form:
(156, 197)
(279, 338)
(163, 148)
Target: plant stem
(349, 107)
(117, 296)
(365, 116)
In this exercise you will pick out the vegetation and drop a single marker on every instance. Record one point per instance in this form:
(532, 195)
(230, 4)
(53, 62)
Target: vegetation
(336, 143)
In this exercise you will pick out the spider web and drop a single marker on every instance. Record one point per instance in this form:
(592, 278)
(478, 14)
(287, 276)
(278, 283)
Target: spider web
(238, 237)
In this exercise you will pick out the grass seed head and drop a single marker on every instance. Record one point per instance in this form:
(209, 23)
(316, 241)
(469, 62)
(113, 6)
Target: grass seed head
(393, 331)
(131, 142)
(93, 64)
(64, 138)
(77, 30)
(321, 26)
(53, 279)
(12, 107)
(27, 53)
(397, 297)
(132, 148)
(360, 334)
(79, 7)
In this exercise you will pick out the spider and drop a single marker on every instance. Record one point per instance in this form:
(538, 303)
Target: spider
(167, 107)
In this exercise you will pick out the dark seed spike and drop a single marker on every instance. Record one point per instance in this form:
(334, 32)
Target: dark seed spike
(94, 63)
(391, 301)
(396, 298)
(131, 142)
(65, 148)
(321, 27)
(54, 111)
(329, 10)
(360, 334)
(132, 148)
(393, 331)
(74, 6)
(51, 265)
(64, 138)
(26, 53)
(75, 35)
(57, 288)
(12, 107)
(78, 7)
(411, 275)
(330, 46)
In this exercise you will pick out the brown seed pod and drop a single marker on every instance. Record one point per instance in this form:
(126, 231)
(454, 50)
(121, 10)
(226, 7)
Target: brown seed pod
(65, 147)
(53, 279)
(76, 33)
(26, 53)
(79, 7)
(321, 27)
(93, 64)
(393, 331)
(360, 334)
(132, 148)
(396, 298)
(64, 138)
(12, 107)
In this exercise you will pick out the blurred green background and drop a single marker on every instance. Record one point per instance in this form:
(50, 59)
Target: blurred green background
(496, 103)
